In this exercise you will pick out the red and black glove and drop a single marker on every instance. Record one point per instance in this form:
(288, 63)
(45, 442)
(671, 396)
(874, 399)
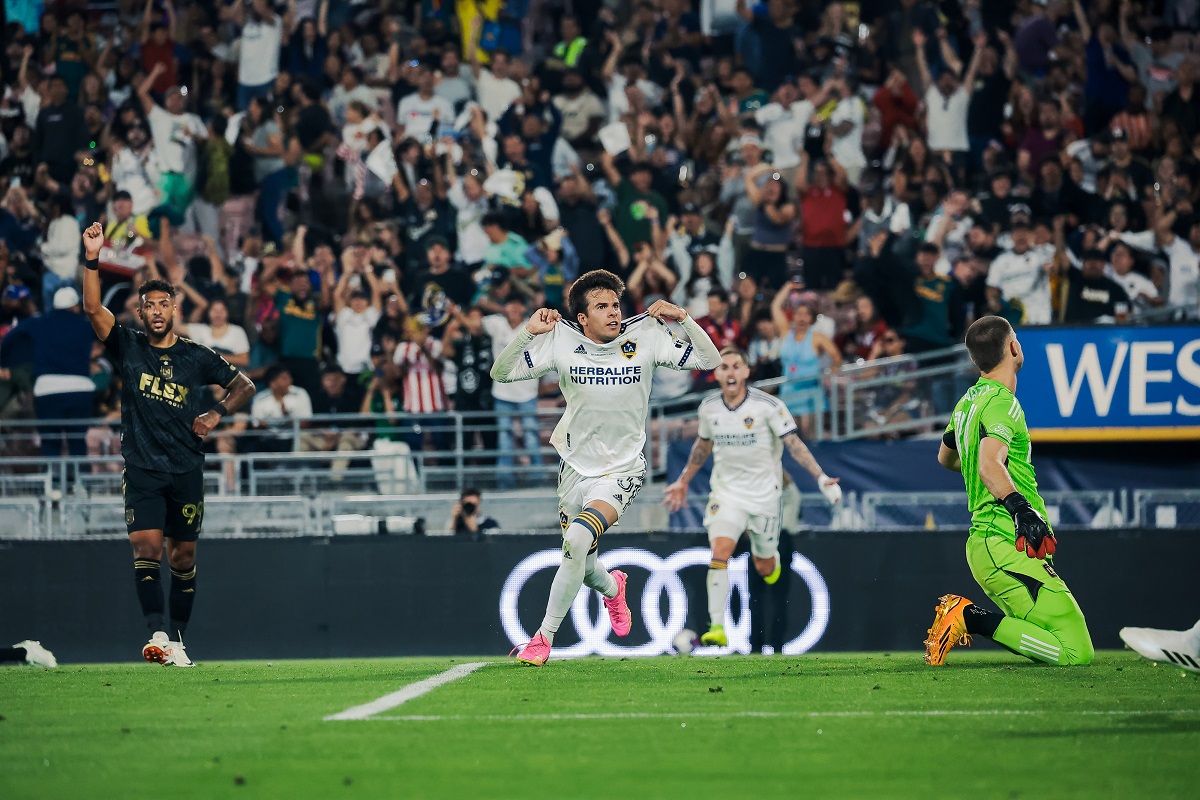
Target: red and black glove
(1034, 536)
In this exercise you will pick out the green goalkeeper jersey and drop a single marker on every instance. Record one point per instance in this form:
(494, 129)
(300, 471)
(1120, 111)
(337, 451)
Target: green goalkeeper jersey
(990, 409)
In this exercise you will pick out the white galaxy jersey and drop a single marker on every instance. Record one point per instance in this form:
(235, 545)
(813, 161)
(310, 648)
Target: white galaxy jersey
(747, 447)
(607, 389)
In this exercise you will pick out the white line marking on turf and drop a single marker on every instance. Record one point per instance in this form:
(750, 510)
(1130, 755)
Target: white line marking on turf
(771, 714)
(410, 692)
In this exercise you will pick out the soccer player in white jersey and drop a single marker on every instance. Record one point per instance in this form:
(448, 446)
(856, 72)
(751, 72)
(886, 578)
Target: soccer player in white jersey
(605, 367)
(746, 431)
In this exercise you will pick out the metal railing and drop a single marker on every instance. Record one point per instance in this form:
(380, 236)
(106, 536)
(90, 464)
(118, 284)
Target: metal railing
(536, 511)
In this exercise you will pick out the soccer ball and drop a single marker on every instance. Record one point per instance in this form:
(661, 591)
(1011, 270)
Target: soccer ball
(684, 642)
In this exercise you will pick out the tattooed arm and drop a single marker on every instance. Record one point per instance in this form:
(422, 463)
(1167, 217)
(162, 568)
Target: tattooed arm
(804, 457)
(675, 495)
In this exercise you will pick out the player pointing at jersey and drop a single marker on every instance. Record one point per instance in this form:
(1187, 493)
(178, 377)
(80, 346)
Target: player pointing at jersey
(746, 431)
(1010, 546)
(605, 366)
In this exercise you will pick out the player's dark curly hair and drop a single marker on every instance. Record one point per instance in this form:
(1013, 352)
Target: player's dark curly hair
(577, 302)
(155, 286)
(987, 342)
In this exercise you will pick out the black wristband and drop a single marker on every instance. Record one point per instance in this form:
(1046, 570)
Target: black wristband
(1015, 502)
(93, 264)
(221, 409)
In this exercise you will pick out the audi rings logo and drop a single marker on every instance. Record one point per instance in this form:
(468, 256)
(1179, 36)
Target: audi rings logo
(663, 582)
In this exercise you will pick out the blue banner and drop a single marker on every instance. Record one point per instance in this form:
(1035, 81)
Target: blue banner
(1111, 383)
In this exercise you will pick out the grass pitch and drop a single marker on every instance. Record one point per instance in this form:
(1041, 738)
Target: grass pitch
(817, 726)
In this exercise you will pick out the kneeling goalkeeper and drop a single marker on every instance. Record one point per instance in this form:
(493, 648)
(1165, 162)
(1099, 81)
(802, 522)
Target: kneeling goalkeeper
(1011, 545)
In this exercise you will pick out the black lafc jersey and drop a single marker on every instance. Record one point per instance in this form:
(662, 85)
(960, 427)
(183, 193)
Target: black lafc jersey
(161, 397)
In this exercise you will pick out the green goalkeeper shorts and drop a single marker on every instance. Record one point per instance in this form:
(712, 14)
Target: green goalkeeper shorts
(1029, 589)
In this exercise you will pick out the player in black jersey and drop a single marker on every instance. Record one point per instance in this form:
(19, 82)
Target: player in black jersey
(162, 431)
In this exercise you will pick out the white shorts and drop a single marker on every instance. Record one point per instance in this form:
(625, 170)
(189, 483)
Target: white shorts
(725, 518)
(576, 492)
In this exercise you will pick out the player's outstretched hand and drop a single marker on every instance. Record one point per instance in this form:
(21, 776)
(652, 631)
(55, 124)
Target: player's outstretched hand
(830, 488)
(542, 321)
(662, 310)
(1034, 536)
(93, 240)
(203, 425)
(675, 495)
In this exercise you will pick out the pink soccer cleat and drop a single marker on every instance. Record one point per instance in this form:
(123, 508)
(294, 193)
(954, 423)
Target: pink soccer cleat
(536, 653)
(618, 609)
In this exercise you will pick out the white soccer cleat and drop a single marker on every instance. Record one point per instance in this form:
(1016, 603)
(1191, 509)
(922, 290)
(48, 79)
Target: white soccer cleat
(156, 650)
(36, 655)
(1178, 648)
(177, 656)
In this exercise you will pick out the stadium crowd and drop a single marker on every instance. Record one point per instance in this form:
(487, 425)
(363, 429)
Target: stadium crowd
(360, 203)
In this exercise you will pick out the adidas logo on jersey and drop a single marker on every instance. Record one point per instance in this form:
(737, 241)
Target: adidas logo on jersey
(580, 351)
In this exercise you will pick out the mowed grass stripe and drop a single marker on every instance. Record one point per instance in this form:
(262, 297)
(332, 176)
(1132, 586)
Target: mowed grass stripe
(774, 715)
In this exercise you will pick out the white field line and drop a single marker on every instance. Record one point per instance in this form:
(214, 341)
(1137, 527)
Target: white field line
(410, 692)
(772, 714)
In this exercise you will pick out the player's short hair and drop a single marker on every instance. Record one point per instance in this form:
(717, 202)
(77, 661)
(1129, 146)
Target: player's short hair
(731, 350)
(987, 339)
(588, 282)
(155, 286)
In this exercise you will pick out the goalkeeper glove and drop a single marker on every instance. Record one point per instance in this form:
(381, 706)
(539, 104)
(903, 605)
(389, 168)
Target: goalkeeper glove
(1033, 534)
(830, 488)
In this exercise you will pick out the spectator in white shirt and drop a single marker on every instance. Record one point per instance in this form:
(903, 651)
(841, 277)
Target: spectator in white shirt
(495, 90)
(785, 125)
(514, 403)
(275, 410)
(258, 59)
(177, 135)
(948, 100)
(60, 249)
(135, 170)
(349, 89)
(455, 82)
(1141, 290)
(1183, 260)
(356, 309)
(419, 112)
(846, 124)
(227, 339)
(1022, 275)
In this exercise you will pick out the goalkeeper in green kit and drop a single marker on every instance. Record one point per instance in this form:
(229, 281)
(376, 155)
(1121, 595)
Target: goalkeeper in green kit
(1011, 544)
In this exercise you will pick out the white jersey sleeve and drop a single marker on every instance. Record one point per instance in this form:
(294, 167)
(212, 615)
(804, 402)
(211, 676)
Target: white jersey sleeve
(697, 353)
(527, 356)
(780, 419)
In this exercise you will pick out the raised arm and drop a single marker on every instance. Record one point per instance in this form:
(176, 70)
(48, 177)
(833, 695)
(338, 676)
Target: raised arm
(919, 39)
(980, 41)
(143, 89)
(93, 304)
(608, 161)
(509, 365)
(778, 316)
(1085, 29)
(802, 173)
(604, 216)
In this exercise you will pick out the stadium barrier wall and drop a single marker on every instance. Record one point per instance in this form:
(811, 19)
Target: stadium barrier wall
(407, 595)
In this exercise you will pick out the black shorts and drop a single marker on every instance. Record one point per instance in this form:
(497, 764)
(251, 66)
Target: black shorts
(161, 501)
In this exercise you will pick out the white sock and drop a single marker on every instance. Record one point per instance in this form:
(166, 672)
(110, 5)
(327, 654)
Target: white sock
(718, 593)
(576, 541)
(598, 578)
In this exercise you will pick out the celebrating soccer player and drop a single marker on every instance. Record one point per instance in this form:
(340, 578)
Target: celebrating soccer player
(746, 430)
(163, 427)
(606, 366)
(1011, 544)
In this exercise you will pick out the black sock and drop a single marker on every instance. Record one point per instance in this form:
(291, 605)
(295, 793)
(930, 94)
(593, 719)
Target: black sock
(980, 621)
(183, 593)
(16, 654)
(149, 590)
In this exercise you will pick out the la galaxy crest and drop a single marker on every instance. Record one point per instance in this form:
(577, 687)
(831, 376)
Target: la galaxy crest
(165, 368)
(748, 422)
(629, 348)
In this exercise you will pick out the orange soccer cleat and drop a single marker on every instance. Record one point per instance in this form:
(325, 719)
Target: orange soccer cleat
(948, 629)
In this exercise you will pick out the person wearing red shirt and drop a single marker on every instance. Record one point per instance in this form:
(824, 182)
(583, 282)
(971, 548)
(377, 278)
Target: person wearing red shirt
(897, 104)
(158, 46)
(721, 327)
(823, 222)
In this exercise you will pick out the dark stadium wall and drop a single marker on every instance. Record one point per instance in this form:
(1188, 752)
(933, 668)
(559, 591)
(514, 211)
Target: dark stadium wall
(392, 596)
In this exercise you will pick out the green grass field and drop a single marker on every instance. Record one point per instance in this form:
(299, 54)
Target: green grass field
(817, 726)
